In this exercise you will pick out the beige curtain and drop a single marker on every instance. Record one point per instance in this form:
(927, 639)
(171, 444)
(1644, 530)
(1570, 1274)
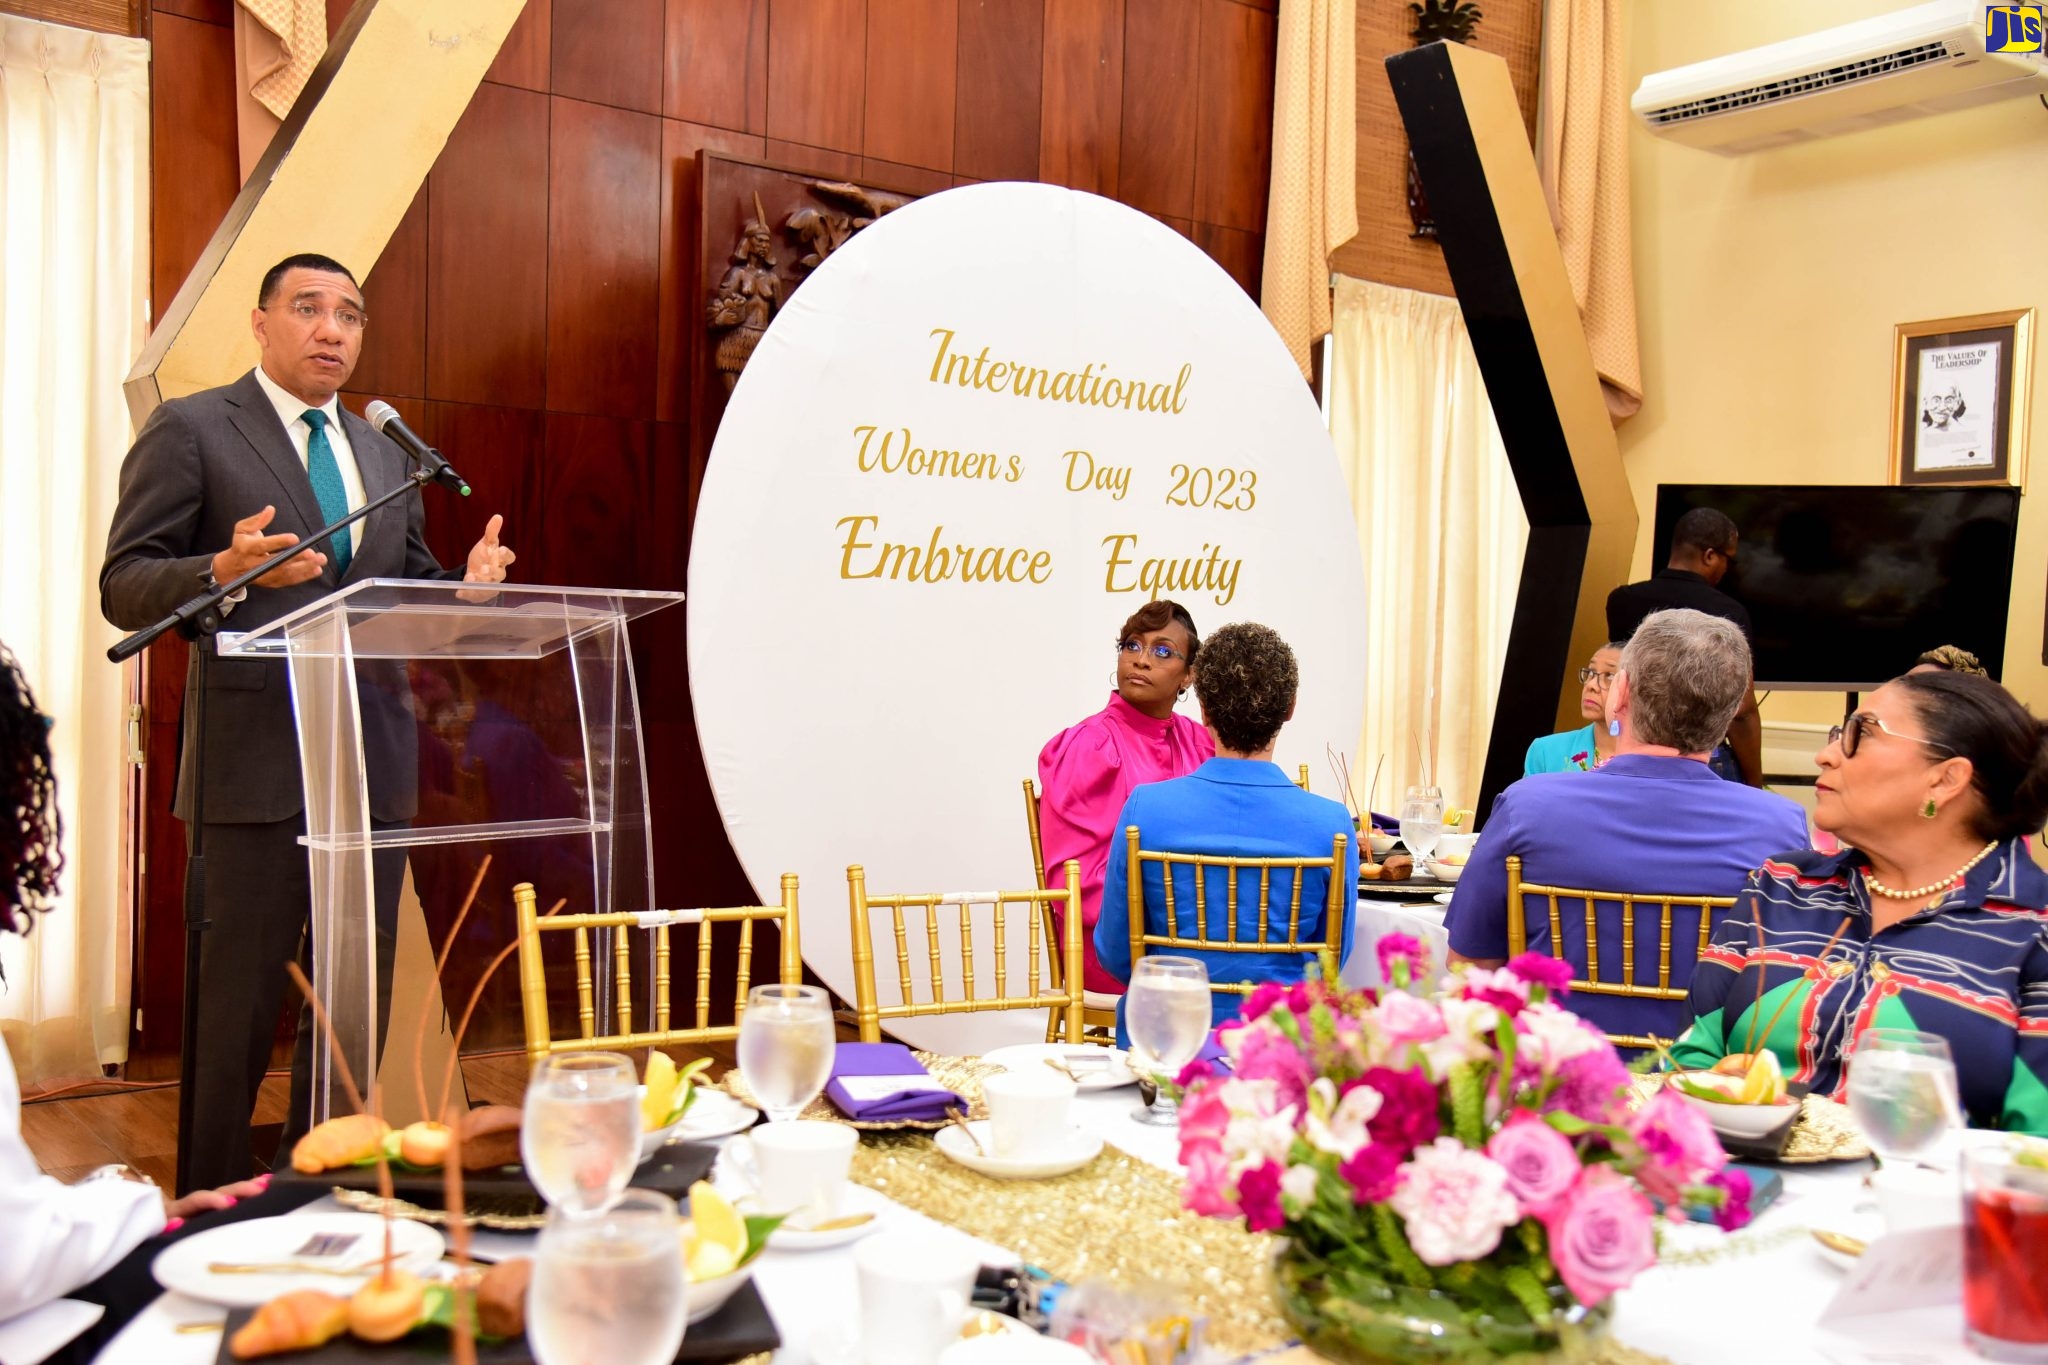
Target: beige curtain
(1312, 202)
(1441, 528)
(1582, 151)
(74, 285)
(277, 45)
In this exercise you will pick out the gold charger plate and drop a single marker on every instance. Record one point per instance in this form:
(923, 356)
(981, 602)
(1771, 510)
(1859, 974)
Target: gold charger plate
(961, 1075)
(367, 1201)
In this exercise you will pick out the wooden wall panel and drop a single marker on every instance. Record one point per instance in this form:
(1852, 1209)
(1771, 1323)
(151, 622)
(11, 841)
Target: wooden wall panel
(1234, 141)
(609, 52)
(526, 57)
(604, 259)
(716, 58)
(1239, 252)
(487, 242)
(196, 161)
(206, 11)
(1001, 73)
(1078, 133)
(813, 160)
(501, 451)
(1156, 160)
(817, 73)
(681, 312)
(394, 359)
(913, 51)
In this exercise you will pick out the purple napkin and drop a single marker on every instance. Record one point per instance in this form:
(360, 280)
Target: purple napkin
(883, 1083)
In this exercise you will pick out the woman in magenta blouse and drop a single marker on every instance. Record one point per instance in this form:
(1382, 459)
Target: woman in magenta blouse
(1087, 771)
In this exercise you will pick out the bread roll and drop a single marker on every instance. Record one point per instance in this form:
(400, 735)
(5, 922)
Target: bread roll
(501, 1298)
(387, 1307)
(1398, 867)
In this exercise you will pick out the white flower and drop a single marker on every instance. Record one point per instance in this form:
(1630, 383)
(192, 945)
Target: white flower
(1468, 1036)
(1455, 1202)
(1340, 1129)
(1298, 1186)
(1555, 1036)
(1258, 1131)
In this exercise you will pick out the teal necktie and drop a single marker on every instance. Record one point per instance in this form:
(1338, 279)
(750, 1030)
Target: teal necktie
(325, 471)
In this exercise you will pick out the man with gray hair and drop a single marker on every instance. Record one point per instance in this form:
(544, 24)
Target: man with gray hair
(1652, 819)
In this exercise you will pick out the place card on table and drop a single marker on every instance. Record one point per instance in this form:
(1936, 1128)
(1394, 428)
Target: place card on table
(1921, 1268)
(883, 1083)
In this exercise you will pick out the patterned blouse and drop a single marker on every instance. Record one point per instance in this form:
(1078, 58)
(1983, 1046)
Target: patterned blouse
(1973, 968)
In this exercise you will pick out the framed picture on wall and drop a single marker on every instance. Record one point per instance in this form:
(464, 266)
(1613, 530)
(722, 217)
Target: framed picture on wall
(1959, 399)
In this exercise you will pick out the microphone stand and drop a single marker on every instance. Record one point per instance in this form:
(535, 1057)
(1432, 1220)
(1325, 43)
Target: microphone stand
(198, 620)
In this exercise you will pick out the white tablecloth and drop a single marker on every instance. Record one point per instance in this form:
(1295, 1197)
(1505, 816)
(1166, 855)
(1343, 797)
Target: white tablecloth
(1756, 1307)
(1375, 918)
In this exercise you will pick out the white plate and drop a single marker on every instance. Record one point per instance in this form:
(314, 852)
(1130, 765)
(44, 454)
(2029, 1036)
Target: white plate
(1750, 1121)
(714, 1114)
(708, 1296)
(1075, 1150)
(1010, 1348)
(855, 1199)
(1111, 1069)
(182, 1266)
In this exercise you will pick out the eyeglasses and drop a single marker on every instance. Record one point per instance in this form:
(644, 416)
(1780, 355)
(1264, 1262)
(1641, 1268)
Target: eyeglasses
(345, 317)
(1158, 651)
(1850, 734)
(1593, 675)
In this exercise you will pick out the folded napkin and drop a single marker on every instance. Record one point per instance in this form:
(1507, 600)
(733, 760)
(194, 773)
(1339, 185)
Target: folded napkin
(883, 1083)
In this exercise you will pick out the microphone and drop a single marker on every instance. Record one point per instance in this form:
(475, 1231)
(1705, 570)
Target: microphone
(386, 420)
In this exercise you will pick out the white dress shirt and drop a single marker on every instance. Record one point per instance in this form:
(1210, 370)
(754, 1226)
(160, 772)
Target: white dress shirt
(292, 412)
(57, 1236)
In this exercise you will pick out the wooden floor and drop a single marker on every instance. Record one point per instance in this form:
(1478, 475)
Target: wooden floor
(73, 1135)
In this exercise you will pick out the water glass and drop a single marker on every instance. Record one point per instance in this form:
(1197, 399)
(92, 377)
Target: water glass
(1422, 823)
(786, 1047)
(580, 1137)
(1167, 1014)
(1902, 1091)
(609, 1289)
(2005, 1244)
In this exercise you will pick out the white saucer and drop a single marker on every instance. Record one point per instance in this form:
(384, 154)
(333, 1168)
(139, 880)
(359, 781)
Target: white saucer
(1073, 1151)
(182, 1266)
(1442, 898)
(714, 1114)
(856, 1199)
(1110, 1069)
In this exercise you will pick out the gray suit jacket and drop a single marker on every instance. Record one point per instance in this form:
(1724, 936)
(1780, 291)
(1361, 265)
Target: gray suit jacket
(201, 464)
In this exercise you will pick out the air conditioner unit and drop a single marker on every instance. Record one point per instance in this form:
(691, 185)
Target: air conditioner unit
(1926, 59)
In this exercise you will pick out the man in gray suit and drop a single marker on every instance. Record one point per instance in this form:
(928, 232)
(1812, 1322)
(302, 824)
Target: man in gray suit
(215, 484)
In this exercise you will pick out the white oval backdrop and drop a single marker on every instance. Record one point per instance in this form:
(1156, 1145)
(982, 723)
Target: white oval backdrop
(862, 704)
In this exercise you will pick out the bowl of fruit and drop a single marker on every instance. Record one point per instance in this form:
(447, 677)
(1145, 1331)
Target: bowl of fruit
(665, 1096)
(1743, 1096)
(719, 1248)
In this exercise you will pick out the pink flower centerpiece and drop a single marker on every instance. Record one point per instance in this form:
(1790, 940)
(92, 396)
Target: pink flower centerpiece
(1459, 1176)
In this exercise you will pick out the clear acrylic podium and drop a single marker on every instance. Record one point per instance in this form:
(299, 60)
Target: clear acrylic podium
(438, 721)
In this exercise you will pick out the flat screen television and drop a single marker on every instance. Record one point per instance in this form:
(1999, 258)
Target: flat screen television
(1846, 586)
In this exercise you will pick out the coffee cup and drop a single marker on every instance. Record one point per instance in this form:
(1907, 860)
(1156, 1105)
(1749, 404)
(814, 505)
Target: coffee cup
(799, 1167)
(1912, 1197)
(914, 1291)
(1027, 1109)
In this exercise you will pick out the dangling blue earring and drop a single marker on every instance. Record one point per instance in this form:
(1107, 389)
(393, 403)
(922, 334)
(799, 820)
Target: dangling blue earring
(1614, 728)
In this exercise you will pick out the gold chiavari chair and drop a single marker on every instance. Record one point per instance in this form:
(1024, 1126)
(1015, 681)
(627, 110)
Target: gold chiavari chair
(1301, 779)
(533, 988)
(1591, 983)
(1098, 1008)
(1329, 949)
(1063, 1000)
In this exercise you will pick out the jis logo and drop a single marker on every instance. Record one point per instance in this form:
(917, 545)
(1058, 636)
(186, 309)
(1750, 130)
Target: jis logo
(2014, 28)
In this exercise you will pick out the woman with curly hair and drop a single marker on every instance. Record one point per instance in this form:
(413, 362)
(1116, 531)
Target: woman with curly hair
(1087, 771)
(1238, 804)
(58, 1237)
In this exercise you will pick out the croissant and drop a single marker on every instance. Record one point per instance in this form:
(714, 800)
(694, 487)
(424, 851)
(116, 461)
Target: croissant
(297, 1321)
(338, 1142)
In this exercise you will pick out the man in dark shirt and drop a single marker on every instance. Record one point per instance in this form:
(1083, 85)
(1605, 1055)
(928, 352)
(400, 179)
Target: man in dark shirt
(1702, 552)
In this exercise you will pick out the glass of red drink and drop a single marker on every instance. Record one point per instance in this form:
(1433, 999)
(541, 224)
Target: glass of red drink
(2005, 1250)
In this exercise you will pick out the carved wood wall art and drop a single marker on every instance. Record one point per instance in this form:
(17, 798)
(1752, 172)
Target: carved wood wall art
(764, 230)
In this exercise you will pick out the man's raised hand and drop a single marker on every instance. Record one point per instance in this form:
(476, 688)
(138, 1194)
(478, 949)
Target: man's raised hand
(251, 547)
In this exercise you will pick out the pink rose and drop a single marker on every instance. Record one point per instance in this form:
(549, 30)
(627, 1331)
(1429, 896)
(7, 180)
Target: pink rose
(1603, 1238)
(1541, 1163)
(1679, 1143)
(1403, 1019)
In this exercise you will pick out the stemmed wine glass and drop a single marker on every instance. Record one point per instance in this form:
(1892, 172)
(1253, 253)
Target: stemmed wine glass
(1422, 823)
(609, 1287)
(1166, 1013)
(580, 1137)
(786, 1047)
(1902, 1091)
